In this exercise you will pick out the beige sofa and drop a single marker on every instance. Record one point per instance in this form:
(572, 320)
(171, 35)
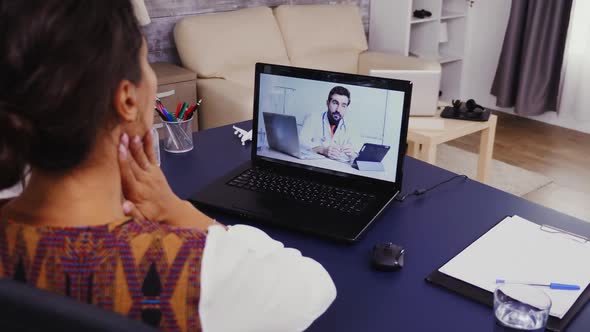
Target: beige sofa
(222, 49)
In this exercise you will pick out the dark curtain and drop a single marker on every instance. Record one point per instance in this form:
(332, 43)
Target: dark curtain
(529, 69)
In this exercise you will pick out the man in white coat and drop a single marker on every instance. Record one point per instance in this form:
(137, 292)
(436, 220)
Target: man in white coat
(327, 133)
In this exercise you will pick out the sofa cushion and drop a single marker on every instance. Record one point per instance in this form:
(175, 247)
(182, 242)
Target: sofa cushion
(313, 30)
(224, 102)
(345, 61)
(244, 74)
(215, 45)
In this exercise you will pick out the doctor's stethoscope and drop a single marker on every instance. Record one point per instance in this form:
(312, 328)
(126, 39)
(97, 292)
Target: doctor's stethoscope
(324, 118)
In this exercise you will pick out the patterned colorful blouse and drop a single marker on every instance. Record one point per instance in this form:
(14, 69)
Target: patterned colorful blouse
(144, 270)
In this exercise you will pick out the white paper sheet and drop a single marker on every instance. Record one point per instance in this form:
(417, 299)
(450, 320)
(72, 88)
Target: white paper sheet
(517, 249)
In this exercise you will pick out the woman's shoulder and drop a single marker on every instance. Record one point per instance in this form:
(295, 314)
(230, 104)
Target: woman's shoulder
(135, 230)
(130, 230)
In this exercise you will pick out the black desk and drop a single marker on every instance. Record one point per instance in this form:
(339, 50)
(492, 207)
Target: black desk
(433, 228)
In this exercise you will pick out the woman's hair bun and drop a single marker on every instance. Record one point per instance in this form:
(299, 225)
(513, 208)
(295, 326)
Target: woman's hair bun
(15, 142)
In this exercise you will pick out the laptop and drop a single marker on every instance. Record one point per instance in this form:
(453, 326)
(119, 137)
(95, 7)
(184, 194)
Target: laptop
(325, 197)
(282, 136)
(426, 85)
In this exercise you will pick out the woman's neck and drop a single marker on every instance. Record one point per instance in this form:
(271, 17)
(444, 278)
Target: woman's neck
(88, 195)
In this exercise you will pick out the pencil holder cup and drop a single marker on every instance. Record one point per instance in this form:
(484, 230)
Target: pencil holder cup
(156, 141)
(180, 136)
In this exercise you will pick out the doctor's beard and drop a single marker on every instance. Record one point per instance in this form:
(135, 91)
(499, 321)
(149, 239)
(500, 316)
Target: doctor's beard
(334, 117)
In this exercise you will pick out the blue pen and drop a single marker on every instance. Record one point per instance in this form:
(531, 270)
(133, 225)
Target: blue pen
(552, 285)
(171, 117)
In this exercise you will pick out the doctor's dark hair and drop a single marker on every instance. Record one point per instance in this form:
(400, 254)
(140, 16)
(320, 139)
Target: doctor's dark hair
(339, 90)
(61, 63)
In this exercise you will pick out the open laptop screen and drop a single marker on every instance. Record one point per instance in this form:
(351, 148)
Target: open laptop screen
(330, 122)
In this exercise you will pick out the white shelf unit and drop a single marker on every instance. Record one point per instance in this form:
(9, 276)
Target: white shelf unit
(423, 20)
(447, 15)
(393, 28)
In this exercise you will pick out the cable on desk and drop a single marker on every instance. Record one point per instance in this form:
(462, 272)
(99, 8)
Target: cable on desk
(420, 192)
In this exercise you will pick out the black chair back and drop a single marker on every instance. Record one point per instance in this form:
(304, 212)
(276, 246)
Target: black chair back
(24, 308)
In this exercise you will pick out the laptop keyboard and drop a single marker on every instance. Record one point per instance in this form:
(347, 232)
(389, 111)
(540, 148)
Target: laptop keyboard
(266, 181)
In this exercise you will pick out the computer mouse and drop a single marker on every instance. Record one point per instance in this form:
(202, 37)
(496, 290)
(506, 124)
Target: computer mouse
(387, 257)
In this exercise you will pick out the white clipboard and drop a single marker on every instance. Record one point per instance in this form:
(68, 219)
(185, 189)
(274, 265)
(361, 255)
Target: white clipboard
(518, 249)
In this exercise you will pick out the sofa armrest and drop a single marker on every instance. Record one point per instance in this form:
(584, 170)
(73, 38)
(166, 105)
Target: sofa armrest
(378, 60)
(224, 102)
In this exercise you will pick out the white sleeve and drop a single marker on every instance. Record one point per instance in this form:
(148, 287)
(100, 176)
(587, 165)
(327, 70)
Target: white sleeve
(250, 282)
(306, 137)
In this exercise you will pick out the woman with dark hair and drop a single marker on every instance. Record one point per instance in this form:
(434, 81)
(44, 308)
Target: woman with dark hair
(76, 108)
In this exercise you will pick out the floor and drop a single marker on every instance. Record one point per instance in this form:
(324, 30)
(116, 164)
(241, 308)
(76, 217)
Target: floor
(559, 153)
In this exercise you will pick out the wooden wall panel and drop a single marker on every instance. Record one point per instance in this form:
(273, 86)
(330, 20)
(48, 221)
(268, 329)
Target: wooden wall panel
(165, 14)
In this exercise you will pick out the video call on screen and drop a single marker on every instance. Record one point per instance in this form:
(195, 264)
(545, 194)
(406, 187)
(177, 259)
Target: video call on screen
(355, 130)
